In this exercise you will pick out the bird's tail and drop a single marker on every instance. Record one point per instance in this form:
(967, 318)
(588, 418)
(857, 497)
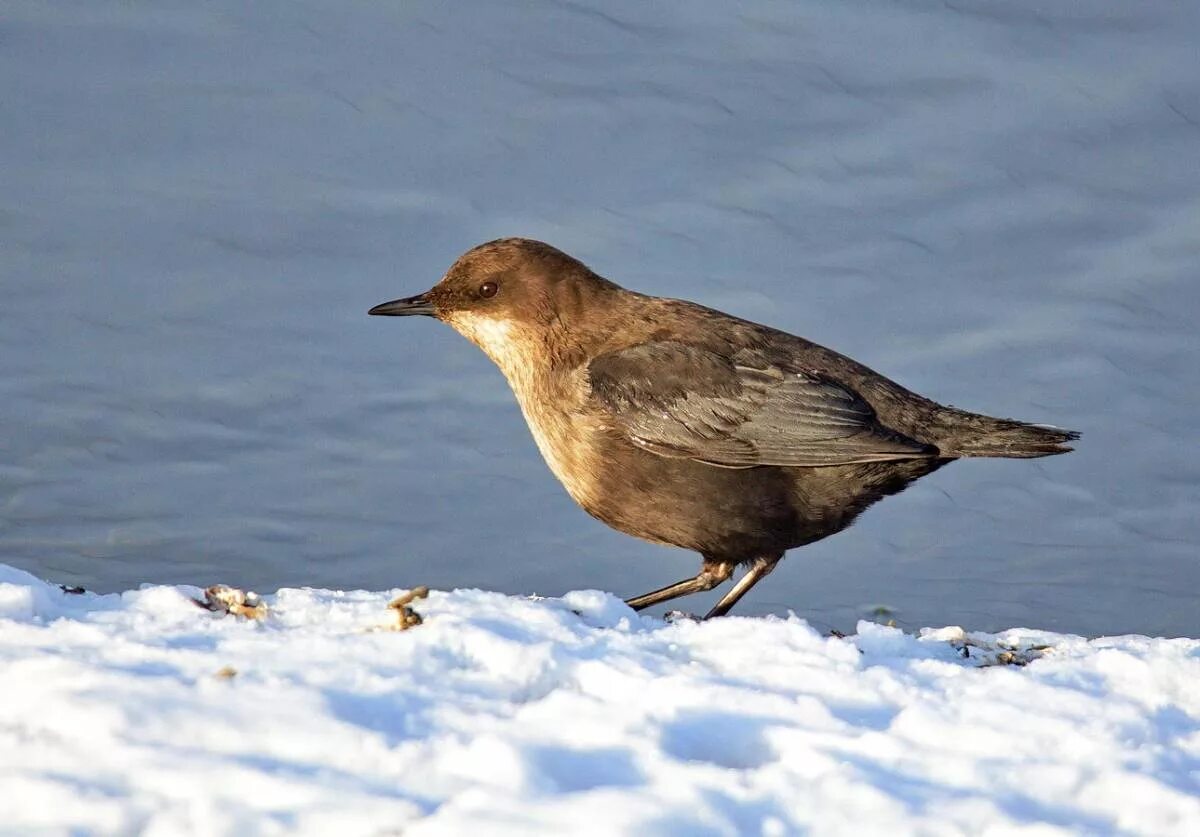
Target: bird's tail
(976, 435)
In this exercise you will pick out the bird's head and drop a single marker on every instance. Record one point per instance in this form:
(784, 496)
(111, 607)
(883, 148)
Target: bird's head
(507, 296)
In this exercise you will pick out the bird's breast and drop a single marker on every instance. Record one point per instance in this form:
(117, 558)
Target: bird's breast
(566, 435)
(552, 399)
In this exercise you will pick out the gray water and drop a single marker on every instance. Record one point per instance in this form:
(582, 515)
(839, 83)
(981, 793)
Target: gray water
(996, 204)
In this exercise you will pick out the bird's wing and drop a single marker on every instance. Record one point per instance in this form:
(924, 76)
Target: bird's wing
(684, 401)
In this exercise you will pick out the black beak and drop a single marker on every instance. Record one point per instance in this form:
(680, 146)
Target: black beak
(407, 307)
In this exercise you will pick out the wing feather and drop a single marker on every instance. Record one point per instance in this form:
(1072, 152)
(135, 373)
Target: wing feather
(680, 400)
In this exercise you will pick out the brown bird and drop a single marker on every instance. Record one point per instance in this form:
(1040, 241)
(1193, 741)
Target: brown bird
(685, 426)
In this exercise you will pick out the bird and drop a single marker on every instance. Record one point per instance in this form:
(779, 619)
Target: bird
(684, 426)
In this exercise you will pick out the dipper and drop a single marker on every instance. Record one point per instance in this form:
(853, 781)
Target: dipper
(685, 426)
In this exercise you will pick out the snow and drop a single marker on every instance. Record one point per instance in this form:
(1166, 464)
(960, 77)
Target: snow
(141, 712)
(995, 204)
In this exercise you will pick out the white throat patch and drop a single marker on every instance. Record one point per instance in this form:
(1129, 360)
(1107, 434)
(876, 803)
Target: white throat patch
(492, 335)
(499, 339)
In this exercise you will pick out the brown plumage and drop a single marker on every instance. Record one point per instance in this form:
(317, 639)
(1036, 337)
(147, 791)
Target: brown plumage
(685, 426)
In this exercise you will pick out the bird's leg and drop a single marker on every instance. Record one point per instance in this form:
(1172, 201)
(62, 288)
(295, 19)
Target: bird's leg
(711, 574)
(760, 568)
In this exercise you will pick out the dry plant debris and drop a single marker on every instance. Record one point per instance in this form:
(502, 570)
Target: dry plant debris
(405, 616)
(221, 598)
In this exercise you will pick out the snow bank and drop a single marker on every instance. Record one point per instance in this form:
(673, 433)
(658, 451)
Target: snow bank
(142, 712)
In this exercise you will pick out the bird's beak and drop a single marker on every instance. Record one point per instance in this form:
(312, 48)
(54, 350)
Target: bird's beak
(408, 307)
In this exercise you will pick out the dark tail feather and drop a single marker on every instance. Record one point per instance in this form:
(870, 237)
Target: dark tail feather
(986, 436)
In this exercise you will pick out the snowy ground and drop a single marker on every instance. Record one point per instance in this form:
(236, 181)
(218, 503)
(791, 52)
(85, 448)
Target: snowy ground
(142, 712)
(996, 204)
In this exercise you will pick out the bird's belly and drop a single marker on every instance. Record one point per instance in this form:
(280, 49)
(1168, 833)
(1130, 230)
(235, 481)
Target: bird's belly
(736, 514)
(633, 491)
(731, 513)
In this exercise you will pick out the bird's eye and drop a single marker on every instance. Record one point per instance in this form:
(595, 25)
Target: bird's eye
(488, 290)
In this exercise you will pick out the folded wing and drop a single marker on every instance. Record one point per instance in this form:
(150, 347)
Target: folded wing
(680, 400)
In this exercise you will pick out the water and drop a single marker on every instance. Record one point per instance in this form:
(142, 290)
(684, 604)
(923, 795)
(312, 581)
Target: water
(997, 206)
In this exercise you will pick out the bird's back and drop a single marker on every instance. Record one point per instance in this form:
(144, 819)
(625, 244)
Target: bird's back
(953, 432)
